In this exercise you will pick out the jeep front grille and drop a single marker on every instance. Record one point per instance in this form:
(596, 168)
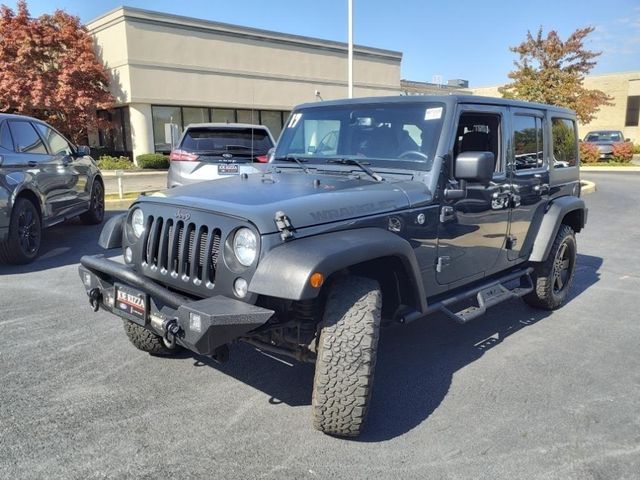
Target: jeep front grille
(181, 250)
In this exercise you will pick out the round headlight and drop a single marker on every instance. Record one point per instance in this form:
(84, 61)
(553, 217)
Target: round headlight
(137, 222)
(245, 246)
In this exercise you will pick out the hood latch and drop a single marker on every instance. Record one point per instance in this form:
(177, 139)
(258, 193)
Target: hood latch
(283, 225)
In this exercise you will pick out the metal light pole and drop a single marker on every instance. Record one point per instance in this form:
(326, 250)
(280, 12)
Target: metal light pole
(350, 60)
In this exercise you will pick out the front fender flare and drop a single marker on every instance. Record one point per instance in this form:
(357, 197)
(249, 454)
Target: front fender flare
(284, 271)
(557, 211)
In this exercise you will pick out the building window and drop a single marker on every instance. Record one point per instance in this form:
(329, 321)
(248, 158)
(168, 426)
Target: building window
(167, 127)
(194, 115)
(633, 111)
(223, 115)
(272, 119)
(116, 139)
(248, 116)
(565, 150)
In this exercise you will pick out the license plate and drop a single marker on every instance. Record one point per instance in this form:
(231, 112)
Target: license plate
(227, 168)
(131, 304)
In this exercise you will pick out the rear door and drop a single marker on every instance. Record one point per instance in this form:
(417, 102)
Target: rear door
(472, 230)
(528, 172)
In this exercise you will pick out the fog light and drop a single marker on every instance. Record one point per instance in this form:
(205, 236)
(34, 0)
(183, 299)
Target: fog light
(241, 287)
(128, 255)
(86, 279)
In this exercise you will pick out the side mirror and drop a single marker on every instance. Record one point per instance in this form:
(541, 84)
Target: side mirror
(475, 167)
(627, 139)
(82, 151)
(471, 167)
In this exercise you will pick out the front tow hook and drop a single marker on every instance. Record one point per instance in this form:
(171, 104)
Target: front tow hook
(171, 330)
(95, 297)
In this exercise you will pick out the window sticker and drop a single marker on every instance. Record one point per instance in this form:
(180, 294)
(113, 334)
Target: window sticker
(433, 113)
(295, 118)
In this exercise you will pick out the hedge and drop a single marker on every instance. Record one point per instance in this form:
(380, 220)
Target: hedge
(153, 160)
(589, 153)
(105, 162)
(623, 152)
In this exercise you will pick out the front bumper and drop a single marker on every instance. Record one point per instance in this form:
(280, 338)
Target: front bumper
(198, 325)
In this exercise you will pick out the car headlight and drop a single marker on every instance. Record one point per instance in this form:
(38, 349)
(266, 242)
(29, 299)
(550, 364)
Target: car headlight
(137, 222)
(245, 246)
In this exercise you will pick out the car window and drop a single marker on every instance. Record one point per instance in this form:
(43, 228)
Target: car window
(5, 137)
(217, 140)
(527, 142)
(25, 138)
(480, 132)
(604, 137)
(565, 147)
(58, 145)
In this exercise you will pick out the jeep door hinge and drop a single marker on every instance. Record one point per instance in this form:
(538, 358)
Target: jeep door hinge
(447, 213)
(283, 224)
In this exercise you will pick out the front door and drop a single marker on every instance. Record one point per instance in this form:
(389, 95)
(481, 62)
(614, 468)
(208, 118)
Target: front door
(472, 231)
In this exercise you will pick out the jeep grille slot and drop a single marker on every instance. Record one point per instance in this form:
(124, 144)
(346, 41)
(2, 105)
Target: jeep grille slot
(182, 250)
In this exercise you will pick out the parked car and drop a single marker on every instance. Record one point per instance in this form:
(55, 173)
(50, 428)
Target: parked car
(208, 151)
(604, 140)
(374, 210)
(44, 179)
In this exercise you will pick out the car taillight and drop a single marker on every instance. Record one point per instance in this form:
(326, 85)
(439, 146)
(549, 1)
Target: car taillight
(182, 156)
(262, 158)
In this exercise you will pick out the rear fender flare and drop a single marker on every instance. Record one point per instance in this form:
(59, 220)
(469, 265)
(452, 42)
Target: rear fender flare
(553, 218)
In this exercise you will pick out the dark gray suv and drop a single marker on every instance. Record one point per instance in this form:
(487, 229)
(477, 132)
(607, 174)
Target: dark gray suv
(44, 180)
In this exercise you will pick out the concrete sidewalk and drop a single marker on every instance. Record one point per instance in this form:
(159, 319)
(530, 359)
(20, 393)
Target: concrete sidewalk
(135, 181)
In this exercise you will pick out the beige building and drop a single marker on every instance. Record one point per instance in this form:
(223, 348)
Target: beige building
(624, 112)
(168, 69)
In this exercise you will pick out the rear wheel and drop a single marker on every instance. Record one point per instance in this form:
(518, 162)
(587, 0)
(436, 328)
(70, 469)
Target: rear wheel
(95, 214)
(346, 356)
(552, 278)
(147, 341)
(25, 234)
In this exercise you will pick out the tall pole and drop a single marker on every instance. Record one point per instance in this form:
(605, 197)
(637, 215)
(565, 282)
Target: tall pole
(350, 61)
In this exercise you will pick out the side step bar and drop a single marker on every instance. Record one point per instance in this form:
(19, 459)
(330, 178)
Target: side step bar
(487, 295)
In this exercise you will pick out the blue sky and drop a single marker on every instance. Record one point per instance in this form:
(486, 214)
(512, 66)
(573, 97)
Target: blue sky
(465, 39)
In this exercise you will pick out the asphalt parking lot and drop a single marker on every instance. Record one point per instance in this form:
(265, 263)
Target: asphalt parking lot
(517, 394)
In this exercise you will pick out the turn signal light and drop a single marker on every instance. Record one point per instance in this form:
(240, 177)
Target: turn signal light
(182, 156)
(316, 280)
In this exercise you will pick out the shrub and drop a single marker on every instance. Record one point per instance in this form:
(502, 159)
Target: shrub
(105, 162)
(636, 148)
(588, 153)
(623, 152)
(153, 160)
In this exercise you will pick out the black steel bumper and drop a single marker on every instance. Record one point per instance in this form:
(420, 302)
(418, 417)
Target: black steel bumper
(199, 325)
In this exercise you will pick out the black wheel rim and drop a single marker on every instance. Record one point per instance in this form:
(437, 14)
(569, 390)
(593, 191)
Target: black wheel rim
(28, 231)
(562, 267)
(97, 201)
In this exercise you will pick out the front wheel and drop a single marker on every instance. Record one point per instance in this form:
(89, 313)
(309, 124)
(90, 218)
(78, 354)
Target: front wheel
(552, 278)
(25, 234)
(346, 356)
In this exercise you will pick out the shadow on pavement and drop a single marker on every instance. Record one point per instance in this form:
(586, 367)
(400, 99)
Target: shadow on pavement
(416, 363)
(64, 244)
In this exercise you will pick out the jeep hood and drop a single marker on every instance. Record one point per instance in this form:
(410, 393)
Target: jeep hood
(306, 199)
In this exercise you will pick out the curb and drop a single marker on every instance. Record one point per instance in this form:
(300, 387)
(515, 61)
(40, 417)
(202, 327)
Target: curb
(587, 187)
(133, 173)
(609, 169)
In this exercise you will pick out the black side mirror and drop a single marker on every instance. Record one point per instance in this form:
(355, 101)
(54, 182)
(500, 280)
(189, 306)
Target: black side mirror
(82, 150)
(471, 167)
(627, 139)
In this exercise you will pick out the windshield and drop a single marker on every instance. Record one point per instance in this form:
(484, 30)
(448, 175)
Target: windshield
(393, 135)
(225, 139)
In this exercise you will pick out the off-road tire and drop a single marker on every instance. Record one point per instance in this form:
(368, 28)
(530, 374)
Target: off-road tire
(95, 214)
(12, 250)
(147, 341)
(546, 294)
(346, 356)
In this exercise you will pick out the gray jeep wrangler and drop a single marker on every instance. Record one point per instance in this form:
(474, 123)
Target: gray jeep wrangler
(371, 211)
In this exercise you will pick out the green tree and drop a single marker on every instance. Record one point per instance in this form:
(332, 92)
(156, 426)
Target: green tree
(552, 71)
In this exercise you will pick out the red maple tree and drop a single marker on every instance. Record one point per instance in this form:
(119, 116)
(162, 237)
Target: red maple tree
(49, 70)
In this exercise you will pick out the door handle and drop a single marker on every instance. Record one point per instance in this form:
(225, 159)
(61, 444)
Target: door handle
(542, 188)
(32, 163)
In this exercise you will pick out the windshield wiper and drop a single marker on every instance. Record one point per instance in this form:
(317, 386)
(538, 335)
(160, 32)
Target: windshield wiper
(363, 167)
(293, 158)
